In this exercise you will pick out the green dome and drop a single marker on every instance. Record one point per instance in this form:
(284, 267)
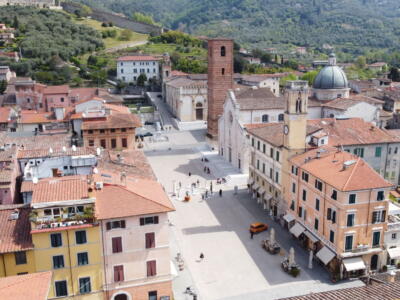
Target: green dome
(331, 77)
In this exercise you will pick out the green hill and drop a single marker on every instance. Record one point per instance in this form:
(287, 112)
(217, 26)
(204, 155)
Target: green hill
(351, 25)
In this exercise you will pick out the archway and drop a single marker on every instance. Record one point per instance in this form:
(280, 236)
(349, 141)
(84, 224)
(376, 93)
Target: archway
(199, 111)
(374, 262)
(121, 296)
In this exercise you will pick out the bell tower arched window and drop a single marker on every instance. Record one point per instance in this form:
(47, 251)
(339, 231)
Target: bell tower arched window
(265, 118)
(223, 51)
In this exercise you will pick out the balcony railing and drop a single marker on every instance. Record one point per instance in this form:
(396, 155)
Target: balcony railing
(66, 220)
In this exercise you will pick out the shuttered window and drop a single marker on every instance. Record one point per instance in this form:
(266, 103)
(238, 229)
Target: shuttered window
(118, 273)
(151, 268)
(150, 240)
(116, 244)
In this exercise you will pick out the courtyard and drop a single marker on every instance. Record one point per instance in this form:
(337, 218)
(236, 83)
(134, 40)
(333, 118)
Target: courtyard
(234, 265)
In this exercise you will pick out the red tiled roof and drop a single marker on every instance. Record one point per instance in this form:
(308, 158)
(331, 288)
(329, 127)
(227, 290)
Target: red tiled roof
(33, 286)
(136, 197)
(384, 291)
(15, 234)
(60, 189)
(34, 117)
(354, 131)
(138, 58)
(37, 153)
(56, 89)
(4, 114)
(358, 175)
(118, 108)
(116, 120)
(178, 73)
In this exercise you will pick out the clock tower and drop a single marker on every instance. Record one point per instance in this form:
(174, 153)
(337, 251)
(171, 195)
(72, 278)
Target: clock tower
(295, 120)
(294, 133)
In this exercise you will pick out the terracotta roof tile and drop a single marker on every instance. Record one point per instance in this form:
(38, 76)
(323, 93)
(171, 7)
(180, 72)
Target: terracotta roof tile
(4, 114)
(273, 132)
(34, 117)
(60, 189)
(132, 162)
(118, 108)
(57, 152)
(35, 141)
(358, 175)
(387, 291)
(132, 197)
(15, 234)
(178, 82)
(353, 131)
(115, 120)
(33, 286)
(56, 89)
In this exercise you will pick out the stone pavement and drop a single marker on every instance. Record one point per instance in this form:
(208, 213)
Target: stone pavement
(235, 266)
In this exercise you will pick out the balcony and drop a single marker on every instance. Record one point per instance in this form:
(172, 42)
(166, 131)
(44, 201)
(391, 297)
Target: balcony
(393, 223)
(62, 221)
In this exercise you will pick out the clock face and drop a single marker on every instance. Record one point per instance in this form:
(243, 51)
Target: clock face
(286, 130)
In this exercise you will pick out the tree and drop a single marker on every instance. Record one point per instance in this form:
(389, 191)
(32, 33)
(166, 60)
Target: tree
(361, 62)
(139, 17)
(394, 74)
(3, 86)
(16, 22)
(289, 77)
(98, 77)
(141, 80)
(310, 76)
(125, 35)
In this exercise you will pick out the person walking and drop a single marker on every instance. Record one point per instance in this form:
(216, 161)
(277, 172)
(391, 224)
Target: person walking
(201, 256)
(220, 192)
(211, 187)
(251, 234)
(190, 174)
(198, 183)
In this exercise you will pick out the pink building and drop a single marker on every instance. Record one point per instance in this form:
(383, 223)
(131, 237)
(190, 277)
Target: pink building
(133, 214)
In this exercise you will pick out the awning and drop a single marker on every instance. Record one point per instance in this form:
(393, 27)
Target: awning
(311, 236)
(394, 209)
(297, 229)
(256, 186)
(267, 196)
(353, 264)
(325, 255)
(288, 218)
(394, 253)
(261, 191)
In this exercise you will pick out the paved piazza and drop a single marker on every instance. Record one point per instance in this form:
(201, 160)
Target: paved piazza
(235, 266)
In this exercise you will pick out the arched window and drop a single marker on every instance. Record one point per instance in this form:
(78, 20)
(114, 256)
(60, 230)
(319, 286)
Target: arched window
(223, 51)
(265, 118)
(280, 117)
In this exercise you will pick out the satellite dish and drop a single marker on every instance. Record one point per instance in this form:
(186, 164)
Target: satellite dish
(35, 180)
(95, 171)
(98, 151)
(51, 150)
(73, 148)
(64, 149)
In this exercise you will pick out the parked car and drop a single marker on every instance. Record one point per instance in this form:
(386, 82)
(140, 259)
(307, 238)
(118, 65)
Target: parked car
(258, 227)
(148, 123)
(142, 135)
(159, 96)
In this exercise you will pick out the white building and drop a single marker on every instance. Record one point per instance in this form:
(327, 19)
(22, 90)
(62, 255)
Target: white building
(130, 67)
(392, 235)
(186, 97)
(6, 74)
(262, 81)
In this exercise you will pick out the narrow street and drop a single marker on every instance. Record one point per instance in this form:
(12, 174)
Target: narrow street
(235, 266)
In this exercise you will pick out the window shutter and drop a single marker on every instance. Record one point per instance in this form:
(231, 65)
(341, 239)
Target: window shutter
(151, 268)
(121, 273)
(150, 240)
(116, 244)
(328, 215)
(156, 220)
(383, 216)
(122, 223)
(333, 217)
(141, 221)
(108, 225)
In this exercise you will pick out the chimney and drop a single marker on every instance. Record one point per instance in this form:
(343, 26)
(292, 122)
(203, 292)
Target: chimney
(318, 154)
(391, 276)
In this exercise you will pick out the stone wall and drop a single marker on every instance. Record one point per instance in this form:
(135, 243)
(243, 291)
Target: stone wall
(36, 3)
(117, 20)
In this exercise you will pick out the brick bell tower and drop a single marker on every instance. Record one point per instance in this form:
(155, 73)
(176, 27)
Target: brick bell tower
(220, 80)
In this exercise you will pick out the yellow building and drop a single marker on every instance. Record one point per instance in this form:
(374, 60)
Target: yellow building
(66, 236)
(16, 248)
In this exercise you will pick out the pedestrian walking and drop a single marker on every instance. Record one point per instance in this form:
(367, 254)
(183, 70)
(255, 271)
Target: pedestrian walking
(211, 188)
(220, 192)
(201, 256)
(205, 169)
(202, 196)
(198, 183)
(190, 174)
(251, 234)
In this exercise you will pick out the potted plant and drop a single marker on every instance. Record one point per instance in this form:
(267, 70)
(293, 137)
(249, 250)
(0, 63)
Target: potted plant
(384, 268)
(294, 271)
(33, 216)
